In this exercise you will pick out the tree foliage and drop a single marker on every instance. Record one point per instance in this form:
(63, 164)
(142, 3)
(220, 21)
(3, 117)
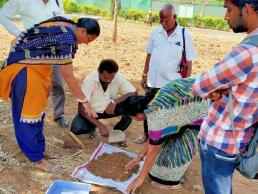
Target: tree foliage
(2, 2)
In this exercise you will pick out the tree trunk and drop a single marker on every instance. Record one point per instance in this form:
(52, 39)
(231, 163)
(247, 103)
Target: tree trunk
(115, 21)
(205, 2)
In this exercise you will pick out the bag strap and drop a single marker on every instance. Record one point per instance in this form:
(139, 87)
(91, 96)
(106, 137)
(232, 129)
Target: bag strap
(183, 32)
(252, 40)
(231, 114)
(57, 2)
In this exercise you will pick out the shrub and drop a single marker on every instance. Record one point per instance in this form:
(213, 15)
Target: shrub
(155, 17)
(197, 21)
(185, 21)
(91, 10)
(221, 24)
(210, 23)
(71, 7)
(136, 15)
(122, 13)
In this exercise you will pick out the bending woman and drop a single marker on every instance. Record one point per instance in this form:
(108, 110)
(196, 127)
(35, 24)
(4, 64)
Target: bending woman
(174, 116)
(25, 77)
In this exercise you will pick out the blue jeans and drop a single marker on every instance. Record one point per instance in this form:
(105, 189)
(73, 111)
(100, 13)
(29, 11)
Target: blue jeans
(217, 169)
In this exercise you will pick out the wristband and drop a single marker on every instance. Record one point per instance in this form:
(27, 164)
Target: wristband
(144, 75)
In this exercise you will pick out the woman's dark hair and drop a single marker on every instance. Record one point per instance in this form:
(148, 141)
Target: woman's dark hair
(90, 24)
(241, 3)
(108, 65)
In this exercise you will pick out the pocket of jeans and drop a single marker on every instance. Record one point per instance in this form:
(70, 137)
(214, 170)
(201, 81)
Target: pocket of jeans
(226, 159)
(224, 165)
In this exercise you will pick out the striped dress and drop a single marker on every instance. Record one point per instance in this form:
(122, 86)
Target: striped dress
(172, 116)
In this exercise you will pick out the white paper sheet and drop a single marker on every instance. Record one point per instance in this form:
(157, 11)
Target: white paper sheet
(82, 173)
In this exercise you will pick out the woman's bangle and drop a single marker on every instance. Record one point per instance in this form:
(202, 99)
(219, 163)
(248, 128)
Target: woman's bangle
(82, 101)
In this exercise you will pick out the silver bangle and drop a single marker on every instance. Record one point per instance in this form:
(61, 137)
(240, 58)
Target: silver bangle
(82, 101)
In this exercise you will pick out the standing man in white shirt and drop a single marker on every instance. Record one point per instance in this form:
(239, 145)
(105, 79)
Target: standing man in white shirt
(33, 12)
(164, 54)
(107, 91)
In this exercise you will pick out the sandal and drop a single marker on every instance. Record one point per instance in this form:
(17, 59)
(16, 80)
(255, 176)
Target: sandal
(141, 139)
(167, 187)
(92, 134)
(46, 166)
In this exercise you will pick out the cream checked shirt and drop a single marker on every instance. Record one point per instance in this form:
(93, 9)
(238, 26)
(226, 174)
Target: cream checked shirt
(95, 94)
(166, 55)
(31, 11)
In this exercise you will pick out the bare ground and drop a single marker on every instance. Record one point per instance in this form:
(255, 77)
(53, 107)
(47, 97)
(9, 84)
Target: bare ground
(17, 175)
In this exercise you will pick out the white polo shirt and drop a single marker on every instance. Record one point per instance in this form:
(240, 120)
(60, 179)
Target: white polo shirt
(166, 55)
(31, 11)
(95, 94)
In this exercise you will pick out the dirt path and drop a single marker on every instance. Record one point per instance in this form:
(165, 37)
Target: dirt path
(17, 175)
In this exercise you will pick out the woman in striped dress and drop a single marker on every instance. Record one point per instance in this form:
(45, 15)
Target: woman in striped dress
(174, 117)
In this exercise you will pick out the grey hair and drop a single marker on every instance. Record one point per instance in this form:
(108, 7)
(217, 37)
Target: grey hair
(168, 6)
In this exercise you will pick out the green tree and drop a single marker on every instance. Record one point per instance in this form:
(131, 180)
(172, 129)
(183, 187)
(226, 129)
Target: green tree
(112, 7)
(204, 3)
(116, 10)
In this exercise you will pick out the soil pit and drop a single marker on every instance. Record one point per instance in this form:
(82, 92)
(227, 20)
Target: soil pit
(115, 162)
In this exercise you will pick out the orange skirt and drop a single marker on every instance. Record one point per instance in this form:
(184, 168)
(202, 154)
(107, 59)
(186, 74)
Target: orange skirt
(37, 90)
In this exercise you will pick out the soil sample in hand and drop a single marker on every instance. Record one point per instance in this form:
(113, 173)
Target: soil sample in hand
(111, 166)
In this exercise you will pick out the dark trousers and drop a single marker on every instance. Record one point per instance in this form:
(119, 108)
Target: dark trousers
(151, 92)
(80, 125)
(58, 93)
(129, 107)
